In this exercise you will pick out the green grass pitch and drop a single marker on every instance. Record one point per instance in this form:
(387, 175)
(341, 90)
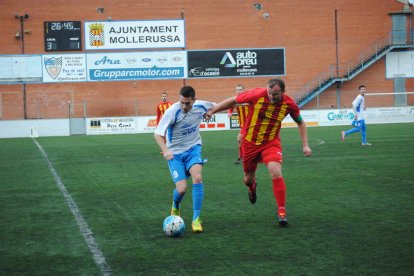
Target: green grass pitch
(350, 208)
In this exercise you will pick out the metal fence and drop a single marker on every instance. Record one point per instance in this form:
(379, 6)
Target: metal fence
(338, 73)
(343, 99)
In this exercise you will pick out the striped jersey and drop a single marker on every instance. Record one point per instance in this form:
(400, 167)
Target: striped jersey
(182, 130)
(161, 108)
(242, 111)
(264, 119)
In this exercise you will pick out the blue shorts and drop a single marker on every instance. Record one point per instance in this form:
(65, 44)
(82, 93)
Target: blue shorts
(181, 163)
(358, 124)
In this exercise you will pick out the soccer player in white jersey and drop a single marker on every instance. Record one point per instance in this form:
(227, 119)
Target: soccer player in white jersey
(178, 136)
(359, 121)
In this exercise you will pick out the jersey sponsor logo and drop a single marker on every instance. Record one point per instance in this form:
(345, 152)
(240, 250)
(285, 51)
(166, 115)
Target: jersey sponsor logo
(189, 130)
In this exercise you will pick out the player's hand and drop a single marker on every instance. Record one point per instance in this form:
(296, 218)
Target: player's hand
(208, 115)
(307, 151)
(168, 155)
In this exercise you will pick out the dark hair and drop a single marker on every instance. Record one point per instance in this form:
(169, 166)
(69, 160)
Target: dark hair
(187, 92)
(359, 87)
(272, 82)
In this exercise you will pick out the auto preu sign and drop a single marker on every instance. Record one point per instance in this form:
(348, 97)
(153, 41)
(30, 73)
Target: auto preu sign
(236, 63)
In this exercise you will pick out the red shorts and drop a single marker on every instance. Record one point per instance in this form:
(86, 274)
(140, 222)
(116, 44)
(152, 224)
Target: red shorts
(265, 153)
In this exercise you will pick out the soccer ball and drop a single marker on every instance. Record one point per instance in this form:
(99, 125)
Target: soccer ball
(173, 226)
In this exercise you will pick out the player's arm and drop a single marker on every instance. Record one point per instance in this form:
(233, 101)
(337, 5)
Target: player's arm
(226, 104)
(354, 108)
(230, 111)
(355, 105)
(161, 143)
(303, 135)
(159, 135)
(158, 114)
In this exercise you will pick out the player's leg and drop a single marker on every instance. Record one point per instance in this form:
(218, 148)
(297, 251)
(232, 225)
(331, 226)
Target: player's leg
(241, 151)
(177, 170)
(364, 134)
(198, 196)
(194, 165)
(272, 156)
(279, 190)
(251, 157)
(239, 157)
(250, 182)
(353, 130)
(178, 194)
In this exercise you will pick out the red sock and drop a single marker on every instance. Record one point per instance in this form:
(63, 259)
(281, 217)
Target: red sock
(252, 187)
(279, 191)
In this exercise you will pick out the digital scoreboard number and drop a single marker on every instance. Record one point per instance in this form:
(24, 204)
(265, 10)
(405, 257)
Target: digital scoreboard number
(63, 36)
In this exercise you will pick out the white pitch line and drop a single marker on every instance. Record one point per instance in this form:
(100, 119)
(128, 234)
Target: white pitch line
(87, 234)
(321, 142)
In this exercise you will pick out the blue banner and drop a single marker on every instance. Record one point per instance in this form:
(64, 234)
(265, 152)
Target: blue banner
(136, 73)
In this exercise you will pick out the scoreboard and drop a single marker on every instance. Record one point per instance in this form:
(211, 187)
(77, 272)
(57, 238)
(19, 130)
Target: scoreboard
(63, 36)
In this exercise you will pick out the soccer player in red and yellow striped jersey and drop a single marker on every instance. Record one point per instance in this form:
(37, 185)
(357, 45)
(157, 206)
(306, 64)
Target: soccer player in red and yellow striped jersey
(162, 106)
(261, 142)
(242, 111)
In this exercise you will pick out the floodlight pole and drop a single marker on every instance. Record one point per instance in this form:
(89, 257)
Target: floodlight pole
(338, 84)
(182, 17)
(336, 43)
(22, 18)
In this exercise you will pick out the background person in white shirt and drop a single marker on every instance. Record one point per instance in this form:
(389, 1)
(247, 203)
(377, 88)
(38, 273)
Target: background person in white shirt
(359, 120)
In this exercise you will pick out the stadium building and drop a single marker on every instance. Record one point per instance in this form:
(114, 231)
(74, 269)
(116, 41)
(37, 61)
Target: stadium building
(75, 201)
(323, 50)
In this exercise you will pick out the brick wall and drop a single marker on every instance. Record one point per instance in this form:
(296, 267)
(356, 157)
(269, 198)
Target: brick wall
(304, 28)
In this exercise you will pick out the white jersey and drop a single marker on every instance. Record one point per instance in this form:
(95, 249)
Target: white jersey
(359, 107)
(182, 130)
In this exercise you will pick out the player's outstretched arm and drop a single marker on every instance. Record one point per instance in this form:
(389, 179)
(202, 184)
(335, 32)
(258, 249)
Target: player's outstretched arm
(226, 104)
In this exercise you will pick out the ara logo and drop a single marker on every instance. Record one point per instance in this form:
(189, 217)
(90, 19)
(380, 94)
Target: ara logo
(105, 60)
(231, 63)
